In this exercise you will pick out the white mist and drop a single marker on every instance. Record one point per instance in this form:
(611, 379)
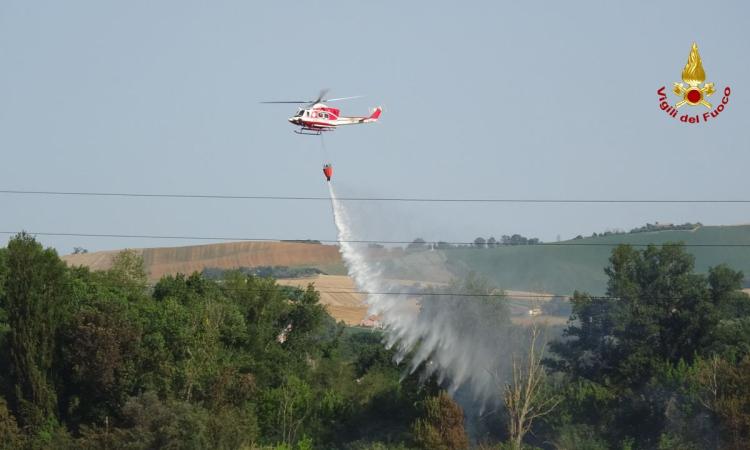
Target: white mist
(448, 340)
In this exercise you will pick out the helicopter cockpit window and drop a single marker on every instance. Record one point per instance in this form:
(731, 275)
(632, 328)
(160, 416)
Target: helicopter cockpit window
(299, 113)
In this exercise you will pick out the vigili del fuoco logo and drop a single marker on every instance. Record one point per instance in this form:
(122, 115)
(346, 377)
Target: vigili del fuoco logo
(693, 91)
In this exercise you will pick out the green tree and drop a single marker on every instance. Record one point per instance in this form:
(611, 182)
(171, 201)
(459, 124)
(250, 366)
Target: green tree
(578, 437)
(35, 289)
(4, 327)
(10, 435)
(417, 244)
(3, 274)
(195, 363)
(286, 409)
(128, 269)
(101, 347)
(665, 311)
(658, 313)
(442, 425)
(152, 423)
(724, 389)
(656, 310)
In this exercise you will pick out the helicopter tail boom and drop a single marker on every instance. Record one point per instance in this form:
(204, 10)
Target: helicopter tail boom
(375, 114)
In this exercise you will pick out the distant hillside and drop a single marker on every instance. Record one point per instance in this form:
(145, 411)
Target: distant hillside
(171, 260)
(539, 268)
(564, 268)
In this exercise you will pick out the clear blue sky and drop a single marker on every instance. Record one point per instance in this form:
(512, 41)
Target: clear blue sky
(482, 99)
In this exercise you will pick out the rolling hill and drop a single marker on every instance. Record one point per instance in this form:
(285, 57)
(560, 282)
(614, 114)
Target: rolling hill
(560, 268)
(171, 260)
(569, 266)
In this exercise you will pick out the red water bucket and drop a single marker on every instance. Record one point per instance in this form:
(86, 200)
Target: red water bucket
(328, 171)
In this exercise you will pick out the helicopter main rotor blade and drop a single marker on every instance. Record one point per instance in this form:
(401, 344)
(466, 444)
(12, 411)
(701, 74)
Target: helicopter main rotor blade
(290, 101)
(320, 99)
(322, 94)
(342, 98)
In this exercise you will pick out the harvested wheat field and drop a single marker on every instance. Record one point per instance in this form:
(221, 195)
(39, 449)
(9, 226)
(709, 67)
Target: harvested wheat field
(233, 255)
(338, 295)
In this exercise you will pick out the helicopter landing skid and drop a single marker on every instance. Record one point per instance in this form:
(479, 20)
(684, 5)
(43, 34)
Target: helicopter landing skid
(311, 131)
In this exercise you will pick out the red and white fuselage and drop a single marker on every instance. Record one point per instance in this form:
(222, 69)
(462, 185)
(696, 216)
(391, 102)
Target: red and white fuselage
(319, 118)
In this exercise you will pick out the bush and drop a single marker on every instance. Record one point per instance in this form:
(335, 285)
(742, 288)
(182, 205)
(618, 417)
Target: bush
(442, 426)
(10, 435)
(579, 437)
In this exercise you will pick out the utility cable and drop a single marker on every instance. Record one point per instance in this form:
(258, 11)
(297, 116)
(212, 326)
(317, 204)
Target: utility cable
(361, 199)
(425, 245)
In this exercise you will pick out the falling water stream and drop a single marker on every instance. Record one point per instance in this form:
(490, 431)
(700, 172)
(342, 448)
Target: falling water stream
(446, 339)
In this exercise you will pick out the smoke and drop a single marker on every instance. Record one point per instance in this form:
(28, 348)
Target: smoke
(458, 338)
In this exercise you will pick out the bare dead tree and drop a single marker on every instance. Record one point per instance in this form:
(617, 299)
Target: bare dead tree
(525, 396)
(708, 377)
(293, 412)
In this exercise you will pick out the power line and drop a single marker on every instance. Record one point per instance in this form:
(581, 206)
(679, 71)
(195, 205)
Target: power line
(335, 241)
(448, 294)
(503, 295)
(422, 294)
(357, 291)
(499, 295)
(361, 199)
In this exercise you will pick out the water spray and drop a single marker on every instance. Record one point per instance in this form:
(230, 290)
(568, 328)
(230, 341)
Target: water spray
(455, 339)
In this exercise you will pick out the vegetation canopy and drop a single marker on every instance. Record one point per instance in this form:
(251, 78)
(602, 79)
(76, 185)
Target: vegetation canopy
(102, 359)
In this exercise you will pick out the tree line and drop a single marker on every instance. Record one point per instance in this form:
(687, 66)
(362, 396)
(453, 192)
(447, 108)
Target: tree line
(649, 227)
(102, 359)
(659, 363)
(479, 242)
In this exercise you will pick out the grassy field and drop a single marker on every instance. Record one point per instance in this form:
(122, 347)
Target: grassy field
(565, 268)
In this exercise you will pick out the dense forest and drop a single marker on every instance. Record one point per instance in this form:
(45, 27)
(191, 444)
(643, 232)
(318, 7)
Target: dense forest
(94, 360)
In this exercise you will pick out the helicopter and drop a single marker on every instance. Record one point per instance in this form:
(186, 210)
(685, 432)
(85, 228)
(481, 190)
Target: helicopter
(316, 117)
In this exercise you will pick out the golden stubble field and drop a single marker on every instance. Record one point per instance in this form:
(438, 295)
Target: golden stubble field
(338, 294)
(232, 255)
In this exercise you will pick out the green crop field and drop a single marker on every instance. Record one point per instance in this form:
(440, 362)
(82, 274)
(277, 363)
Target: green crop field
(570, 266)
